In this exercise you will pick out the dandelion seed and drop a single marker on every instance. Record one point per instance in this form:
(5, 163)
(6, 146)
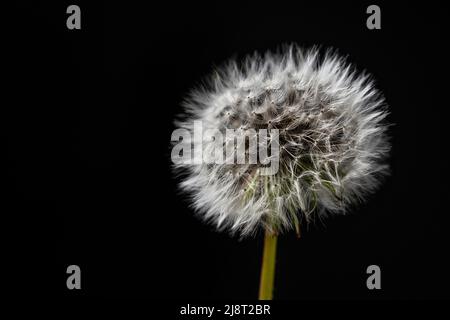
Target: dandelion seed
(323, 109)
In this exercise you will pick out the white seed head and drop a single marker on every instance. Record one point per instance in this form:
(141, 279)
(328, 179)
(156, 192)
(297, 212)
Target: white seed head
(331, 134)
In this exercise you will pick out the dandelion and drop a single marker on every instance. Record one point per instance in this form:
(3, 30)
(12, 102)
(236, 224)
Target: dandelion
(327, 122)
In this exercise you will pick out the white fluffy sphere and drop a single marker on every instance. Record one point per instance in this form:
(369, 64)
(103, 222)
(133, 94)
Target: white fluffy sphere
(330, 130)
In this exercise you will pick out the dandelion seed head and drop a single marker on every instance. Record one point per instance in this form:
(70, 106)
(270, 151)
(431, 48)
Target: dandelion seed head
(332, 137)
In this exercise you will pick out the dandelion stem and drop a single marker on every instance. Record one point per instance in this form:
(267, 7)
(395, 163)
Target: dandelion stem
(268, 266)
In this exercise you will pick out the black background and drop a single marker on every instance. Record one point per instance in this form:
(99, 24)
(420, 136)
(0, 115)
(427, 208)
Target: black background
(88, 153)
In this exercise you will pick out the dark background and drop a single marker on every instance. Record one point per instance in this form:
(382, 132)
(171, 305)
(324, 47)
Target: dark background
(88, 153)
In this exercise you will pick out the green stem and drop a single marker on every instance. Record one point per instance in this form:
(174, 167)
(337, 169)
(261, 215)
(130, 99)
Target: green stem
(268, 267)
